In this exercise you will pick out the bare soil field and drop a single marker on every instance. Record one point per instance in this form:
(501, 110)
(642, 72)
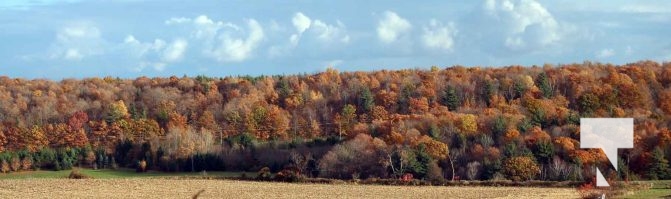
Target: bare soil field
(181, 188)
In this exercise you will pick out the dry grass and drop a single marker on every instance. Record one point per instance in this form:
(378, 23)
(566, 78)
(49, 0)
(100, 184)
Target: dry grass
(180, 188)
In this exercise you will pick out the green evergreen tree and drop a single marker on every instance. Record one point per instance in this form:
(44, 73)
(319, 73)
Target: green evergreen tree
(499, 128)
(659, 166)
(450, 98)
(543, 151)
(519, 89)
(407, 92)
(543, 84)
(490, 90)
(623, 169)
(419, 165)
(490, 168)
(588, 103)
(434, 132)
(284, 91)
(366, 100)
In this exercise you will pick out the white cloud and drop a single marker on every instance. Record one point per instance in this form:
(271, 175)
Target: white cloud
(328, 33)
(177, 20)
(439, 36)
(301, 22)
(175, 51)
(294, 38)
(73, 54)
(207, 29)
(313, 31)
(525, 24)
(322, 31)
(76, 41)
(140, 49)
(157, 54)
(391, 27)
(605, 53)
(229, 48)
(223, 41)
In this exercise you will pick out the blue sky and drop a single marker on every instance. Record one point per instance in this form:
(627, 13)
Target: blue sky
(129, 38)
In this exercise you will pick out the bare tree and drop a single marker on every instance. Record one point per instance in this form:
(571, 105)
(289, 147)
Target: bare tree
(473, 170)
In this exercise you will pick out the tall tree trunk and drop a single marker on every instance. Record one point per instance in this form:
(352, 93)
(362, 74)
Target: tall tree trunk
(451, 165)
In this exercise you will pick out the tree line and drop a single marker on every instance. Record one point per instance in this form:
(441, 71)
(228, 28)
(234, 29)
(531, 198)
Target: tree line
(474, 123)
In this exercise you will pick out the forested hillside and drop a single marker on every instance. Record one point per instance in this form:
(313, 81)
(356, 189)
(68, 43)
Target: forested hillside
(512, 122)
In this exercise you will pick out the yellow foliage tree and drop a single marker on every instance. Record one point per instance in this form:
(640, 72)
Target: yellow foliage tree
(469, 123)
(116, 111)
(521, 168)
(436, 149)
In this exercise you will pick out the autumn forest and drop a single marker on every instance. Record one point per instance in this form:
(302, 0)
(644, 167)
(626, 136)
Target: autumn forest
(454, 123)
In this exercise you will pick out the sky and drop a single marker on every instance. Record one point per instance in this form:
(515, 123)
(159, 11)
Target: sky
(58, 39)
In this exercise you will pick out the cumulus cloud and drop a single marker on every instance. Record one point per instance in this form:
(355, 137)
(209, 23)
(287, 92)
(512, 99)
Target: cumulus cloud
(321, 30)
(207, 29)
(391, 27)
(301, 22)
(175, 51)
(157, 54)
(328, 33)
(439, 36)
(177, 20)
(523, 24)
(219, 40)
(76, 41)
(81, 40)
(605, 53)
(140, 49)
(230, 48)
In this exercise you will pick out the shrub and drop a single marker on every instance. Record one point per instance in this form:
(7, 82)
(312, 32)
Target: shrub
(290, 174)
(45, 158)
(90, 157)
(264, 174)
(27, 163)
(4, 166)
(15, 164)
(76, 174)
(521, 168)
(141, 166)
(434, 173)
(57, 166)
